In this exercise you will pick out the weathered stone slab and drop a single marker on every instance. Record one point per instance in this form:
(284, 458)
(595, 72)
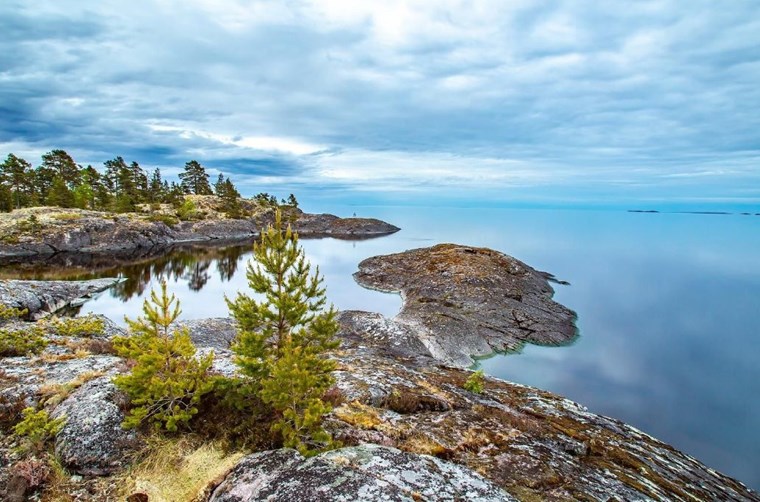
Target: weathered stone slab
(42, 298)
(368, 473)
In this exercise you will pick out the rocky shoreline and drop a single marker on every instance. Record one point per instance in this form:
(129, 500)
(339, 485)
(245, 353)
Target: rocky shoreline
(79, 231)
(463, 302)
(410, 429)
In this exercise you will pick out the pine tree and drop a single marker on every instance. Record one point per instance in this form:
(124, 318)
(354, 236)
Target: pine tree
(114, 168)
(230, 199)
(283, 337)
(292, 201)
(139, 183)
(195, 179)
(219, 185)
(17, 174)
(43, 182)
(126, 193)
(167, 381)
(63, 165)
(156, 187)
(59, 194)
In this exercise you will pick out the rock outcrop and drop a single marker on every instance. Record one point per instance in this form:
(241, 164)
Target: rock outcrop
(92, 440)
(215, 332)
(94, 232)
(533, 444)
(462, 301)
(369, 473)
(42, 298)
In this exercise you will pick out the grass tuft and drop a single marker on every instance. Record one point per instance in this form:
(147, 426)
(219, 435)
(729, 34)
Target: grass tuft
(179, 469)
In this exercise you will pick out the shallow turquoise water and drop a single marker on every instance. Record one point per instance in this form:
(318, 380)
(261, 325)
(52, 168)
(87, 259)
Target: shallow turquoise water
(668, 311)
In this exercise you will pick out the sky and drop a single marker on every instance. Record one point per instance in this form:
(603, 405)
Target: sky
(587, 103)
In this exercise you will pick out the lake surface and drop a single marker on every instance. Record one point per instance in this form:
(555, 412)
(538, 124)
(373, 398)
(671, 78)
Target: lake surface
(668, 310)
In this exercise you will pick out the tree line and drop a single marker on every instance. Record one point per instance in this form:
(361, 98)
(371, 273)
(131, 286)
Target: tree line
(60, 181)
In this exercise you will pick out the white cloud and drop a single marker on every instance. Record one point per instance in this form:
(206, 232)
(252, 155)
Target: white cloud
(422, 93)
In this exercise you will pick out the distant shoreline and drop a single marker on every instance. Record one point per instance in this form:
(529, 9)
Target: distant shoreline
(655, 211)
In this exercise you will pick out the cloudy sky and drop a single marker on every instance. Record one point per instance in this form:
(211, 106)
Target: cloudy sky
(496, 101)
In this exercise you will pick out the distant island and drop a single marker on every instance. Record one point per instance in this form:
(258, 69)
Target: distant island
(654, 211)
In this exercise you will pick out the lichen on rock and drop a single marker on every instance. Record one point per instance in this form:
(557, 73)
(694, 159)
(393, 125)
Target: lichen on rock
(367, 472)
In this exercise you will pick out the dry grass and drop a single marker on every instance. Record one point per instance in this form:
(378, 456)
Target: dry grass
(52, 394)
(359, 415)
(178, 470)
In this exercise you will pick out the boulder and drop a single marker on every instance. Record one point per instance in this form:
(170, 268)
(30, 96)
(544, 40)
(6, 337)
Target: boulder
(215, 332)
(92, 441)
(367, 473)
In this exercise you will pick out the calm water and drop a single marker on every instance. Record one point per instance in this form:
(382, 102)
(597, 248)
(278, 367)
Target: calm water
(668, 310)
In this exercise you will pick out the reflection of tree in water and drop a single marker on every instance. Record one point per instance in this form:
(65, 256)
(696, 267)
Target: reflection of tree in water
(190, 264)
(227, 262)
(198, 275)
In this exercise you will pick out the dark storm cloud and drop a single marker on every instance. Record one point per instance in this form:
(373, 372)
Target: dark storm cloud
(443, 95)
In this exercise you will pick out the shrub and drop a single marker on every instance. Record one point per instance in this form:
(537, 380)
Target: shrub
(30, 225)
(8, 313)
(37, 428)
(188, 211)
(86, 326)
(167, 381)
(405, 402)
(166, 219)
(34, 471)
(11, 410)
(20, 342)
(475, 383)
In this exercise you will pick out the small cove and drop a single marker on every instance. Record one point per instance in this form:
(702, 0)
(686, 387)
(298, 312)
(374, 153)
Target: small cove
(667, 307)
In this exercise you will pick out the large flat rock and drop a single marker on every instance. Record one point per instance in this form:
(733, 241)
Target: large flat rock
(369, 473)
(42, 298)
(464, 301)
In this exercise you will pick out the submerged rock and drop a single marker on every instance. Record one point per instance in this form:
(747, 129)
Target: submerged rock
(464, 301)
(366, 473)
(42, 298)
(92, 440)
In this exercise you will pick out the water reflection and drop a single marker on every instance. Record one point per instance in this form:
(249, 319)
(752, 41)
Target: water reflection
(191, 265)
